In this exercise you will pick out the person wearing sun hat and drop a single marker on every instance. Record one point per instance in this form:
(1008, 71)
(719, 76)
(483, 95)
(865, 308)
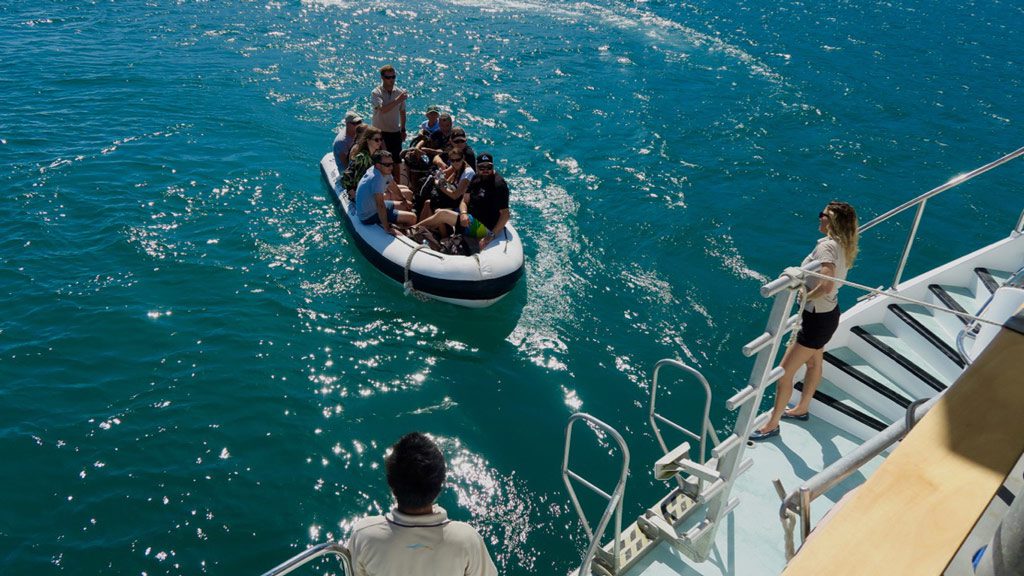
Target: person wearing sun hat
(345, 139)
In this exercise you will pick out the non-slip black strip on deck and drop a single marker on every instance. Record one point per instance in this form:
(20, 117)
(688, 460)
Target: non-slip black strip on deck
(867, 381)
(1005, 495)
(838, 406)
(948, 301)
(899, 358)
(927, 334)
(986, 278)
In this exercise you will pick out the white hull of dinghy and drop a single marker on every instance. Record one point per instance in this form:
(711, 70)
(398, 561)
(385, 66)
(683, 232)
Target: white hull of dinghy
(475, 281)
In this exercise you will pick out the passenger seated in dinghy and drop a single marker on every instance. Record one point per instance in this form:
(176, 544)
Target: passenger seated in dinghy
(439, 140)
(361, 159)
(429, 126)
(371, 207)
(483, 210)
(450, 185)
(458, 145)
(346, 139)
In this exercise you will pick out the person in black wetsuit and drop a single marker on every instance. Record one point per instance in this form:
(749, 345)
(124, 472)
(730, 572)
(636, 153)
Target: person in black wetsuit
(483, 211)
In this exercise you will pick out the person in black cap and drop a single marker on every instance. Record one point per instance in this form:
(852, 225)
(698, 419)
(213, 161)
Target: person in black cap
(483, 210)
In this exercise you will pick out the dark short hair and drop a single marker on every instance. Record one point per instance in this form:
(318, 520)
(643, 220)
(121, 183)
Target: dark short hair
(379, 156)
(415, 470)
(387, 69)
(444, 116)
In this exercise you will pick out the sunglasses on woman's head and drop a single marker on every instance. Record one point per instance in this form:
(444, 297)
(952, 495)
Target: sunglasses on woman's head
(822, 214)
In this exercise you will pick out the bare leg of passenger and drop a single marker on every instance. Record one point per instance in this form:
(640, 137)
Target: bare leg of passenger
(406, 218)
(795, 357)
(427, 211)
(811, 381)
(440, 217)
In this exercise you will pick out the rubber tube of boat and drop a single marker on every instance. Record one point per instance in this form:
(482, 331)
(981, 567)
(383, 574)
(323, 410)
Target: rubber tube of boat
(1004, 555)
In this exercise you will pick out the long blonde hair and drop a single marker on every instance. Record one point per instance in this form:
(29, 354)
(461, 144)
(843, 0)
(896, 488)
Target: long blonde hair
(842, 227)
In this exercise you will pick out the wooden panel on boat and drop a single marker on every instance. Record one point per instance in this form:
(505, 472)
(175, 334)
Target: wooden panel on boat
(914, 513)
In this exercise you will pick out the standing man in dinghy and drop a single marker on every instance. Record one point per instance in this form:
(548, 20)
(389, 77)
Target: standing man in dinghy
(371, 206)
(388, 102)
(417, 537)
(483, 211)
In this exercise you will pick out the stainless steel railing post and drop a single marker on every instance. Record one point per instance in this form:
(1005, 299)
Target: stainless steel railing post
(805, 513)
(909, 244)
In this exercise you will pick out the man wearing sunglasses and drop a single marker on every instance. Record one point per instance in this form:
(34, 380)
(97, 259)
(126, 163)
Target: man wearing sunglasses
(388, 104)
(483, 210)
(371, 207)
(457, 145)
(346, 138)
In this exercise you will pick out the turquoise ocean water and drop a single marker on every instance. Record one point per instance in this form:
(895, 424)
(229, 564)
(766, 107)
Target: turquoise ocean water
(199, 372)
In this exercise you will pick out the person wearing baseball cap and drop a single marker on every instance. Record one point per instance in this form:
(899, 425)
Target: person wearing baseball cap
(483, 210)
(345, 139)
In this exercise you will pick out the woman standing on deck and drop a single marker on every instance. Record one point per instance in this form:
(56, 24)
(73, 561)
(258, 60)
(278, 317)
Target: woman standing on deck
(820, 318)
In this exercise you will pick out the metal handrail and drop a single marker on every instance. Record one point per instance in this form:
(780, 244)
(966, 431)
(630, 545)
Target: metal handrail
(920, 203)
(311, 554)
(799, 500)
(955, 181)
(705, 422)
(614, 499)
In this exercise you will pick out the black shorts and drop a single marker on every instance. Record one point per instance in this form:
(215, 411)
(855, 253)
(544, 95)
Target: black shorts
(817, 328)
(393, 143)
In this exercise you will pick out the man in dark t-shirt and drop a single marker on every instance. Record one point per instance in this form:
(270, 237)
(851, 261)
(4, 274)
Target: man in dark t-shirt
(483, 211)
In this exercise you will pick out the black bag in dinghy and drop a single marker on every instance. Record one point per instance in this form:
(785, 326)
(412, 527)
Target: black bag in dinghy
(476, 280)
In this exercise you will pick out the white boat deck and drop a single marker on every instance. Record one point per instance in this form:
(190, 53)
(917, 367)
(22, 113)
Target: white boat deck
(743, 545)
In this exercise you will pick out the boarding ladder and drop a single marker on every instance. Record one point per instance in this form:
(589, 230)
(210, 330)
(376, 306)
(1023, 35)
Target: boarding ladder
(700, 486)
(705, 486)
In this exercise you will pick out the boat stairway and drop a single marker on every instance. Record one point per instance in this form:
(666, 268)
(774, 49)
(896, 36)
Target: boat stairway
(874, 371)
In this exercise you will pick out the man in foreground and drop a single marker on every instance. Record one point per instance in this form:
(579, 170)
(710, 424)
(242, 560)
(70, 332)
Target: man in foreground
(417, 537)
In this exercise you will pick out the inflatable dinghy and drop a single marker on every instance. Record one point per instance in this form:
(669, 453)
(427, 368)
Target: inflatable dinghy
(476, 281)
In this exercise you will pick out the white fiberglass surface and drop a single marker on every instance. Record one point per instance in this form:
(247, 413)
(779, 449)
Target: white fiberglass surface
(751, 540)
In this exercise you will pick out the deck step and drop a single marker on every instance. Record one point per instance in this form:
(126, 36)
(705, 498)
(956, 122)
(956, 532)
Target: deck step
(858, 379)
(989, 282)
(830, 395)
(928, 334)
(885, 342)
(954, 298)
